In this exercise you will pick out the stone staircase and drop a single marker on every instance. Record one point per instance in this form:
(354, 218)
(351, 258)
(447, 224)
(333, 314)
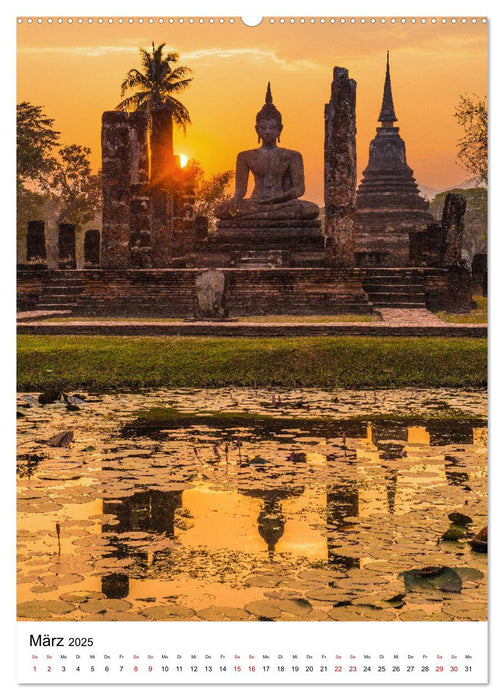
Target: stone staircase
(61, 296)
(263, 258)
(395, 287)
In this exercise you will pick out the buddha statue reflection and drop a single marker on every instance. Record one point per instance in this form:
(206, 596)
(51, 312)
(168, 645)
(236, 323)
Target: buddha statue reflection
(278, 177)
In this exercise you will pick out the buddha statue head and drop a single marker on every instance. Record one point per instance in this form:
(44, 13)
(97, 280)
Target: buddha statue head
(268, 122)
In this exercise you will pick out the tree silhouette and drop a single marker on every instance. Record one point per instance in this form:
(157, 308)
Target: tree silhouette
(472, 115)
(155, 85)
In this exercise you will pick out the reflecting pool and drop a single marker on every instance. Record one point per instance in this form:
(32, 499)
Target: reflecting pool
(247, 504)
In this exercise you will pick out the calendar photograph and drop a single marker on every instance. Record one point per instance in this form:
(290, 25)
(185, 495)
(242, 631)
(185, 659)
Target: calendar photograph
(251, 327)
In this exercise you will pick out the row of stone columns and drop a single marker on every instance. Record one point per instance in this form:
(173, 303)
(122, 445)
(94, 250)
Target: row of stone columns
(36, 247)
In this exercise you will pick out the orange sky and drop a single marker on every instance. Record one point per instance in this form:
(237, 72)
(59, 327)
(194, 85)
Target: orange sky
(75, 72)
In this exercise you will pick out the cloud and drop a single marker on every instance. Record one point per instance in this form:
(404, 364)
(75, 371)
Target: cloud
(251, 54)
(79, 50)
(208, 54)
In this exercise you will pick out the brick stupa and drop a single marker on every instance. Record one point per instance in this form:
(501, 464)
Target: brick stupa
(388, 202)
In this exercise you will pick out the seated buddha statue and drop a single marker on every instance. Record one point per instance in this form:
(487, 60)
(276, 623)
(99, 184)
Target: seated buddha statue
(278, 176)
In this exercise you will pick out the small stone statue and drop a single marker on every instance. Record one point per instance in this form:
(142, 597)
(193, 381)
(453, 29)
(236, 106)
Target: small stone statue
(210, 293)
(278, 175)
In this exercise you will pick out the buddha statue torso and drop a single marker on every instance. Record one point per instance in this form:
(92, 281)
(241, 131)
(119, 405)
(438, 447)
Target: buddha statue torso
(278, 175)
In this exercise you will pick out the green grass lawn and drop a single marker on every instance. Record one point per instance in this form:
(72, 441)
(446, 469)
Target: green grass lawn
(110, 363)
(477, 315)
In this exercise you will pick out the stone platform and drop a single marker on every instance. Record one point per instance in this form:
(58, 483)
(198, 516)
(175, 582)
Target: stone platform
(292, 243)
(412, 327)
(172, 292)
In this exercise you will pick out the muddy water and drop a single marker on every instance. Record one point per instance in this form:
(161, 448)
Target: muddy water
(312, 512)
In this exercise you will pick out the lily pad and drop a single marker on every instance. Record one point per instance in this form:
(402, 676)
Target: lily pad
(105, 605)
(468, 574)
(43, 609)
(329, 595)
(442, 577)
(319, 575)
(460, 519)
(264, 608)
(81, 596)
(218, 614)
(261, 581)
(454, 533)
(170, 611)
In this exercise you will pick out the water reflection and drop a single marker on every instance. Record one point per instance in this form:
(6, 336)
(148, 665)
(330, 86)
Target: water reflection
(149, 511)
(153, 511)
(193, 512)
(342, 502)
(271, 520)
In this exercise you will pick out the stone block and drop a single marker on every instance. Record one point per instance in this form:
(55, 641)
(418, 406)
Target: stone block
(453, 226)
(458, 297)
(211, 287)
(479, 271)
(92, 248)
(66, 247)
(36, 253)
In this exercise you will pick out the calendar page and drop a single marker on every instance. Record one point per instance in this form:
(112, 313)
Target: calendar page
(252, 349)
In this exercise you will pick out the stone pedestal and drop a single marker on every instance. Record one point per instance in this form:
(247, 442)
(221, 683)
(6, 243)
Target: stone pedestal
(290, 243)
(173, 292)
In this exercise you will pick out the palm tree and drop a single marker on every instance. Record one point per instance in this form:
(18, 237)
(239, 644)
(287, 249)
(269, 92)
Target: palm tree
(153, 87)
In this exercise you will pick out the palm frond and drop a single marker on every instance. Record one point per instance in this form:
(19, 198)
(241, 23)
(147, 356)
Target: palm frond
(168, 86)
(138, 101)
(132, 80)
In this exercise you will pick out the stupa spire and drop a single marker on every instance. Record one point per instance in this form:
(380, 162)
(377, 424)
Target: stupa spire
(387, 114)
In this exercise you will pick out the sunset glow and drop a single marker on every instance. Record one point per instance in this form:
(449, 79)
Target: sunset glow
(75, 72)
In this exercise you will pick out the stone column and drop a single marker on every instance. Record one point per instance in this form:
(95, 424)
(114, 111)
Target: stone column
(125, 174)
(66, 247)
(479, 271)
(453, 226)
(340, 170)
(458, 296)
(36, 253)
(163, 165)
(116, 178)
(92, 248)
(140, 240)
(184, 218)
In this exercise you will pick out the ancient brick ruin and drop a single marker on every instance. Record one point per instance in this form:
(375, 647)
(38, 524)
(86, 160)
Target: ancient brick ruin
(389, 206)
(269, 255)
(340, 170)
(92, 249)
(36, 252)
(148, 213)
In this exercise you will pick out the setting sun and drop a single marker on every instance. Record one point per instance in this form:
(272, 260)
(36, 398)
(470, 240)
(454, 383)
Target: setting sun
(183, 160)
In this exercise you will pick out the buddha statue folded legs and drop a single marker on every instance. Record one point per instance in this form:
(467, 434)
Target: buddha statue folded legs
(274, 226)
(252, 210)
(278, 177)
